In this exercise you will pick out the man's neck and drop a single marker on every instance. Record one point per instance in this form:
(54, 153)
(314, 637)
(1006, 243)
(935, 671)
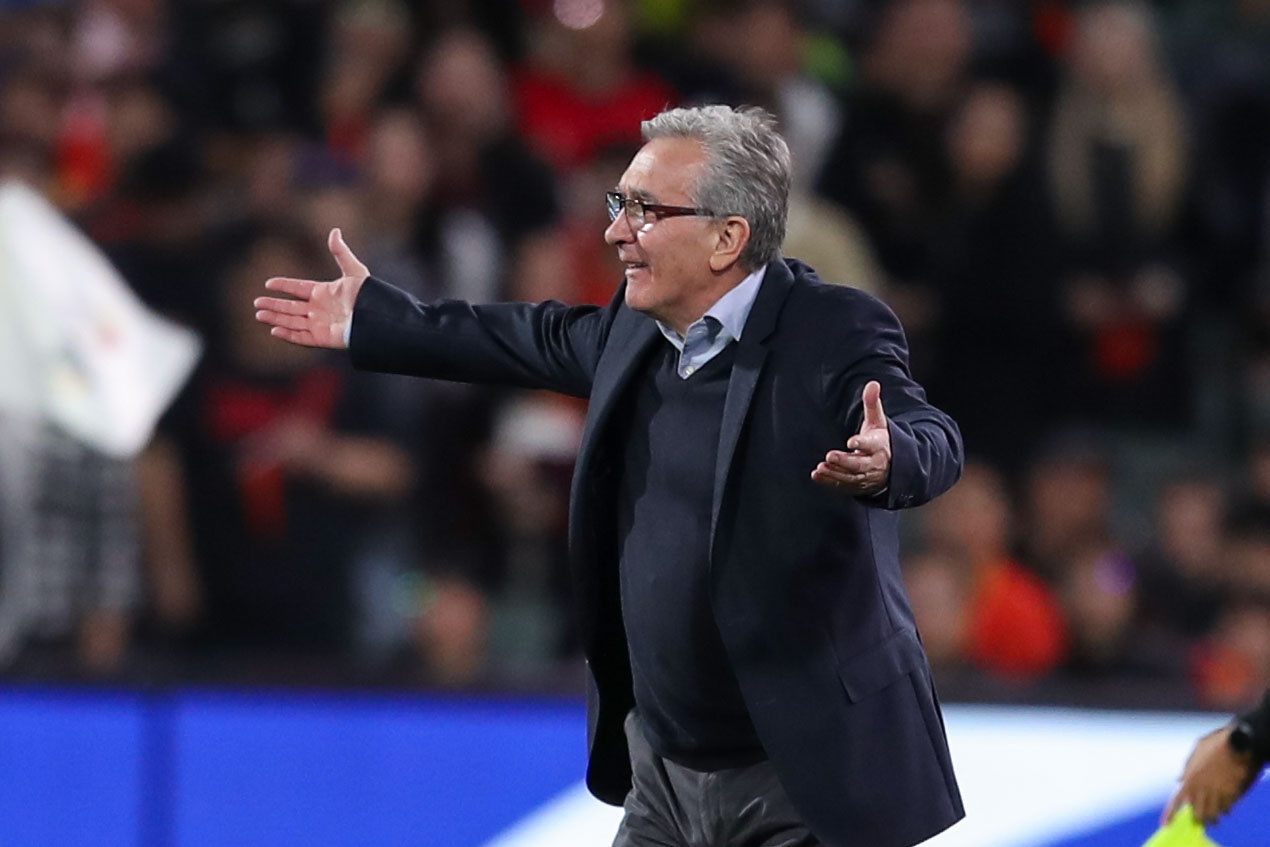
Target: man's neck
(720, 286)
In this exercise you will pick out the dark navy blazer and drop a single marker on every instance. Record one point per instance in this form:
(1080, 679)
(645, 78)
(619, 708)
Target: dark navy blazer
(805, 580)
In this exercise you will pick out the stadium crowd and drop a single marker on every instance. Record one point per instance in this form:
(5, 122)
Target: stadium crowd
(1067, 204)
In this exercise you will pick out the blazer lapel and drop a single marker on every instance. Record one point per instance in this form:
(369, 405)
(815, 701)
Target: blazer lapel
(751, 353)
(631, 336)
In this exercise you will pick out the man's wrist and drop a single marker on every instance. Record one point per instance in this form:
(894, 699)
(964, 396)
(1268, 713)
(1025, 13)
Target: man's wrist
(1242, 739)
(1246, 740)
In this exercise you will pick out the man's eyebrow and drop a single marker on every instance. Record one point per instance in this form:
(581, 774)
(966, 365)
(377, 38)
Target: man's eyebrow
(638, 194)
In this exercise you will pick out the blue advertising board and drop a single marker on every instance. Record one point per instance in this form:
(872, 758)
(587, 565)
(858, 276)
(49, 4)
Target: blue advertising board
(197, 768)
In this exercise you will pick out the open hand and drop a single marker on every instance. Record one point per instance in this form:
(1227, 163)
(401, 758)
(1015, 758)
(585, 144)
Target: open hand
(321, 311)
(865, 466)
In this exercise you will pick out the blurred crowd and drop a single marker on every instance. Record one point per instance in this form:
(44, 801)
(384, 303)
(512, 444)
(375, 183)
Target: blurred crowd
(1067, 203)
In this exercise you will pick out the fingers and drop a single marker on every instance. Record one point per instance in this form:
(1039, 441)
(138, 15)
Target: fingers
(833, 476)
(874, 417)
(296, 322)
(1210, 804)
(1170, 809)
(301, 288)
(852, 482)
(349, 264)
(859, 462)
(294, 336)
(860, 472)
(1205, 807)
(281, 306)
(876, 441)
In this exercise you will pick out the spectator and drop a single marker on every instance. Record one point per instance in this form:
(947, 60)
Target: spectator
(527, 467)
(155, 228)
(580, 90)
(270, 448)
(370, 40)
(1232, 666)
(1067, 501)
(888, 167)
(1118, 169)
(483, 169)
(1099, 592)
(248, 67)
(1013, 625)
(1184, 580)
(70, 562)
(939, 586)
(993, 280)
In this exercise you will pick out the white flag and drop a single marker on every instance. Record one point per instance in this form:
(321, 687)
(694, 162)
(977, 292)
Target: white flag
(77, 347)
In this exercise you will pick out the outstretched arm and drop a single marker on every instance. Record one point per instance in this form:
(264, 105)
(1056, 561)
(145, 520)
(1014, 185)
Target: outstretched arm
(320, 313)
(543, 346)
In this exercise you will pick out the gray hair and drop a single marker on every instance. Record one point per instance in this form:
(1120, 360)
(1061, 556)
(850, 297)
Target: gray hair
(746, 173)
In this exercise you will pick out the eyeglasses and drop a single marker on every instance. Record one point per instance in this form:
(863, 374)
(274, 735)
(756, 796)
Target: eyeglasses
(643, 214)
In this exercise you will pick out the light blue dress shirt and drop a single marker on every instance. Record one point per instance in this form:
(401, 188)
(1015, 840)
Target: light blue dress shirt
(717, 328)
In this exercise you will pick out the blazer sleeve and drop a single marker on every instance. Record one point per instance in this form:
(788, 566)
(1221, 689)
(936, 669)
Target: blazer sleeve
(926, 447)
(541, 346)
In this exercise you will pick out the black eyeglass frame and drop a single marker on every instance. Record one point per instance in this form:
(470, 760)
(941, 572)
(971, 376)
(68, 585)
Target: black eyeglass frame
(637, 209)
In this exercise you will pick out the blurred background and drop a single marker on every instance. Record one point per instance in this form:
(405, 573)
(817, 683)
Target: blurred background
(1068, 205)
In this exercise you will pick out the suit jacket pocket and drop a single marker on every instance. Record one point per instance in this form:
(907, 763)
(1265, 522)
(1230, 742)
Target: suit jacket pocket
(882, 664)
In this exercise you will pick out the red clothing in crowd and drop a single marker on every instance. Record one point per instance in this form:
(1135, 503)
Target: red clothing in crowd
(1016, 628)
(568, 127)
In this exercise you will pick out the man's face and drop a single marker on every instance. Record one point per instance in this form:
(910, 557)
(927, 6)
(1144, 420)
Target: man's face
(667, 261)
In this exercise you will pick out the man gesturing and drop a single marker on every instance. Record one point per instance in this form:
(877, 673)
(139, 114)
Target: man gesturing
(755, 674)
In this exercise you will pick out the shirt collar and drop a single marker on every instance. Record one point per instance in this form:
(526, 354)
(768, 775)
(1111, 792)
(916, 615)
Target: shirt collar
(731, 310)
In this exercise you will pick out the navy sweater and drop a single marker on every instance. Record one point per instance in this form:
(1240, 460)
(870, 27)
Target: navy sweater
(685, 691)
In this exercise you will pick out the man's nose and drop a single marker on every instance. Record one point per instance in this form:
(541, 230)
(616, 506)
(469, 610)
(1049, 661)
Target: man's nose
(619, 230)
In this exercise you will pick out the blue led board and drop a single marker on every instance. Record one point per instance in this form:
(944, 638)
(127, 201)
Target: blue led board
(72, 769)
(324, 770)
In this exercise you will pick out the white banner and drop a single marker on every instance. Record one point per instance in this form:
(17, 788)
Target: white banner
(76, 345)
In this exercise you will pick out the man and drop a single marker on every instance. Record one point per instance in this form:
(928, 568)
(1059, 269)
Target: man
(1223, 765)
(756, 676)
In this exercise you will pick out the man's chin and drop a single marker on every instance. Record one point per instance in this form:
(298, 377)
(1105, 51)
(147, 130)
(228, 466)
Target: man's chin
(643, 305)
(637, 290)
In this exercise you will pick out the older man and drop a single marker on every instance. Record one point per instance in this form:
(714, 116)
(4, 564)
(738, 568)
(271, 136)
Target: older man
(756, 676)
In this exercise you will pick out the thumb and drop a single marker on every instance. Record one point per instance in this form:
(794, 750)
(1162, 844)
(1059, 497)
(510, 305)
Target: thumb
(349, 264)
(874, 417)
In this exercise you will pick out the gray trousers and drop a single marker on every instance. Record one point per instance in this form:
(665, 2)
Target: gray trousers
(670, 805)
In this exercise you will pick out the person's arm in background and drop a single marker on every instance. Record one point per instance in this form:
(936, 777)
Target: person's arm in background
(113, 587)
(1223, 765)
(167, 540)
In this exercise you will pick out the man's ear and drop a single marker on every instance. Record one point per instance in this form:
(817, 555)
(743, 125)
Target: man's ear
(733, 235)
